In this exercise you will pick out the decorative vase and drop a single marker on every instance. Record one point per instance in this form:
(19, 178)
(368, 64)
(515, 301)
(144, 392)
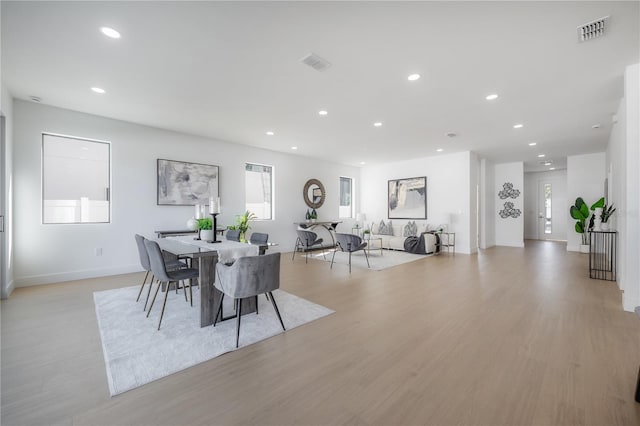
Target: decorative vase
(597, 219)
(307, 216)
(584, 248)
(604, 226)
(206, 234)
(192, 224)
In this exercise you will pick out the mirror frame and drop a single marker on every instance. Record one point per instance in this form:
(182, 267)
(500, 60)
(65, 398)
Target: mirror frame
(305, 193)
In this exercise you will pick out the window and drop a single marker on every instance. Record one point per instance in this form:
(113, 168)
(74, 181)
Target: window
(346, 197)
(547, 208)
(76, 180)
(259, 190)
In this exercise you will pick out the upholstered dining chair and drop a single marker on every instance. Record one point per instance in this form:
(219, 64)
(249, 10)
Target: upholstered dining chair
(350, 243)
(249, 276)
(159, 269)
(259, 238)
(144, 262)
(306, 240)
(233, 234)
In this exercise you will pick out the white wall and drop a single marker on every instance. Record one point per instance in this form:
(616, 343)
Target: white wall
(487, 204)
(585, 178)
(448, 191)
(6, 108)
(559, 204)
(474, 183)
(509, 231)
(51, 253)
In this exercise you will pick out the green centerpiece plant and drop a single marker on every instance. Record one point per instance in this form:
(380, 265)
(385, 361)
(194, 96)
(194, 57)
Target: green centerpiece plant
(581, 213)
(242, 223)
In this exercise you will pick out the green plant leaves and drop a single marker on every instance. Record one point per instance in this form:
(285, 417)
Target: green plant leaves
(598, 204)
(579, 227)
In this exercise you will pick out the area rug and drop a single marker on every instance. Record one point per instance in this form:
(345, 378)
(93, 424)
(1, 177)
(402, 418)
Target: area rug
(136, 353)
(378, 262)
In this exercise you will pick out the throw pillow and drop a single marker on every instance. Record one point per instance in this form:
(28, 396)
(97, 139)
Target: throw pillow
(410, 229)
(385, 229)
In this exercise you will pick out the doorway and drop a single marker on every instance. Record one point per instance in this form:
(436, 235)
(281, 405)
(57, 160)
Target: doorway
(551, 217)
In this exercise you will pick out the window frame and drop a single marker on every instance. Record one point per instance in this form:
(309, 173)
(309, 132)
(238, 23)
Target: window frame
(273, 187)
(352, 205)
(42, 178)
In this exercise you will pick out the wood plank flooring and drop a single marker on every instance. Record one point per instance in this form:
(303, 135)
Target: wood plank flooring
(508, 337)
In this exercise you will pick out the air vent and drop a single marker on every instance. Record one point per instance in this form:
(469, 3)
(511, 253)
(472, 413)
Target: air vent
(316, 62)
(591, 30)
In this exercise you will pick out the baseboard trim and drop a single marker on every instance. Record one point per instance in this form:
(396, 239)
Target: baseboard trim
(6, 293)
(521, 245)
(573, 248)
(32, 280)
(630, 305)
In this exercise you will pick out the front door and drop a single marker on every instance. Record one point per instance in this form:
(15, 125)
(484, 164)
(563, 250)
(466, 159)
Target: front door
(551, 223)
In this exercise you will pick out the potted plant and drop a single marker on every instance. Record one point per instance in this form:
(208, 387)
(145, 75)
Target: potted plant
(314, 215)
(242, 223)
(205, 226)
(582, 213)
(366, 234)
(606, 215)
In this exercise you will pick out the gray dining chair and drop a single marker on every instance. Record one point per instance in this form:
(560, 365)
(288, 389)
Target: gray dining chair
(349, 243)
(233, 234)
(159, 269)
(249, 276)
(259, 238)
(306, 240)
(144, 262)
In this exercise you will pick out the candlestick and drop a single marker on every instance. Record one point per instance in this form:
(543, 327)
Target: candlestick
(214, 226)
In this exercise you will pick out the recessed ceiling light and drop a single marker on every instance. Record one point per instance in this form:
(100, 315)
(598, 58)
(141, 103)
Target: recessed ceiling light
(413, 77)
(533, 143)
(294, 148)
(595, 126)
(451, 134)
(99, 90)
(439, 150)
(548, 163)
(269, 133)
(377, 124)
(110, 32)
(518, 126)
(540, 155)
(362, 163)
(323, 112)
(491, 97)
(552, 168)
(35, 99)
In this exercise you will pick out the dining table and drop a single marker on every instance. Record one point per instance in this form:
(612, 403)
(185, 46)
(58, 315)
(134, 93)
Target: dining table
(204, 256)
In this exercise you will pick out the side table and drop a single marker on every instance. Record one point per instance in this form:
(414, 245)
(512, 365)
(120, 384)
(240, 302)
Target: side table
(448, 240)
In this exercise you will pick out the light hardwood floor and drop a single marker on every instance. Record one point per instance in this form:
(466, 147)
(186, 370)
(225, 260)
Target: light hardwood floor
(507, 337)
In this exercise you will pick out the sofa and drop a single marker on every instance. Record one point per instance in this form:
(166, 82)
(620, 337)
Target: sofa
(396, 241)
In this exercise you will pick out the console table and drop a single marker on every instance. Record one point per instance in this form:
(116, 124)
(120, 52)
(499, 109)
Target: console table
(179, 232)
(602, 255)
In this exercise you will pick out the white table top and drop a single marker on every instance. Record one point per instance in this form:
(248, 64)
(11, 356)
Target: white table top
(228, 251)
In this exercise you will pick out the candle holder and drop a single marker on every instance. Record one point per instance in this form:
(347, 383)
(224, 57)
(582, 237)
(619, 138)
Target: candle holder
(214, 227)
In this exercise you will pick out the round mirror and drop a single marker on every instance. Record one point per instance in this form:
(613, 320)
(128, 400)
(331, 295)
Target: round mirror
(313, 193)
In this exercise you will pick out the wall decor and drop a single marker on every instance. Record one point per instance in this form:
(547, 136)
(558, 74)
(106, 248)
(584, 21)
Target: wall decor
(508, 191)
(186, 184)
(314, 193)
(509, 211)
(407, 198)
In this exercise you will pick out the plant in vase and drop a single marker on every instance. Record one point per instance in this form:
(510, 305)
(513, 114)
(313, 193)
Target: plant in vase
(205, 226)
(606, 214)
(366, 234)
(582, 213)
(314, 215)
(242, 223)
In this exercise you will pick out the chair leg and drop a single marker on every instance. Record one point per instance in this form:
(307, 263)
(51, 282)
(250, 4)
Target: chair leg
(149, 292)
(275, 308)
(154, 298)
(295, 249)
(366, 256)
(142, 286)
(333, 257)
(191, 291)
(306, 254)
(166, 293)
(239, 313)
(184, 290)
(256, 304)
(349, 261)
(215, 320)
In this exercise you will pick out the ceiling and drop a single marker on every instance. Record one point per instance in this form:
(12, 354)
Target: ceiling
(231, 71)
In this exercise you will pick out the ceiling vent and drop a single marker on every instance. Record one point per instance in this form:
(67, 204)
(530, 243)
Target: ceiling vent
(593, 29)
(316, 62)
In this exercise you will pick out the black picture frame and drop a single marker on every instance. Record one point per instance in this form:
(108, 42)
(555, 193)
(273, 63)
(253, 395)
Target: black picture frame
(181, 183)
(407, 198)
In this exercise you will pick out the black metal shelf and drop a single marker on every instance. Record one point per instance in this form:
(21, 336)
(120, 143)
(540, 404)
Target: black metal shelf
(602, 255)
